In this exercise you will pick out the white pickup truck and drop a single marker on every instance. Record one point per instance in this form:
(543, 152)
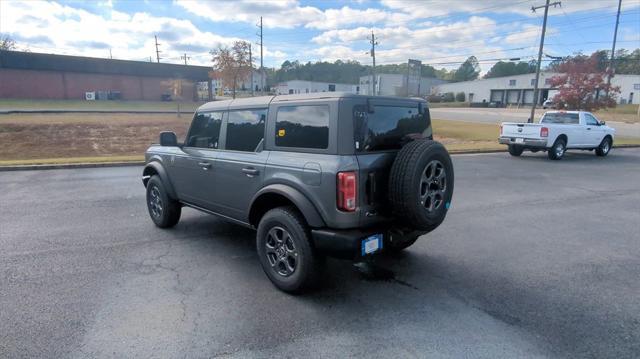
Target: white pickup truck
(557, 132)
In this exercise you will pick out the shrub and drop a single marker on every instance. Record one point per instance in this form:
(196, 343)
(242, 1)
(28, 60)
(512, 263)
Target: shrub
(434, 98)
(448, 97)
(460, 97)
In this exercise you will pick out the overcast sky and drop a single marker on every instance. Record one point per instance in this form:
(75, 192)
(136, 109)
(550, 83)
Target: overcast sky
(438, 32)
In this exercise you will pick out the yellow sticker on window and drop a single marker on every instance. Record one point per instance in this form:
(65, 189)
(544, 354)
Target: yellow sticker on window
(281, 133)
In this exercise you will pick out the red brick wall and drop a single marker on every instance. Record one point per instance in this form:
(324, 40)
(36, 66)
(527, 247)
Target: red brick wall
(73, 85)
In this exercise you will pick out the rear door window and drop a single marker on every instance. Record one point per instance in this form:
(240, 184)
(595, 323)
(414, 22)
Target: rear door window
(560, 117)
(305, 126)
(388, 127)
(205, 130)
(245, 129)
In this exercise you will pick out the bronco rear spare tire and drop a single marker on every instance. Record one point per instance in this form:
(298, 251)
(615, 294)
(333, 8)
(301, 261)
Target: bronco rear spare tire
(421, 184)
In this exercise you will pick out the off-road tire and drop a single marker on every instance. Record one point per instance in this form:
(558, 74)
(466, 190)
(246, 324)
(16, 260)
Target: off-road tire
(515, 150)
(163, 210)
(406, 185)
(553, 153)
(307, 264)
(605, 147)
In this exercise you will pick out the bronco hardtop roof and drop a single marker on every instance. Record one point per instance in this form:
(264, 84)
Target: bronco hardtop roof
(264, 101)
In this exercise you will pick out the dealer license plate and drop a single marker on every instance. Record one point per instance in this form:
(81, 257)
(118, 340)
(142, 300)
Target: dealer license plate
(519, 140)
(372, 244)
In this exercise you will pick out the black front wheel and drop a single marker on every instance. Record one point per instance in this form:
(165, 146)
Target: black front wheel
(284, 248)
(163, 210)
(604, 148)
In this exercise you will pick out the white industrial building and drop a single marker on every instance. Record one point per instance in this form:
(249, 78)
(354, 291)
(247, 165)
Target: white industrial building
(518, 89)
(396, 85)
(301, 86)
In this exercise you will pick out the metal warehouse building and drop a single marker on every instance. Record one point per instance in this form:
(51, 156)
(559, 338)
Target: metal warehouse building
(396, 85)
(518, 89)
(301, 86)
(47, 76)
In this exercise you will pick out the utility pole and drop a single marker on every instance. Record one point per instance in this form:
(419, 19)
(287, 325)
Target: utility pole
(110, 55)
(157, 51)
(544, 29)
(613, 50)
(261, 58)
(373, 42)
(185, 58)
(251, 69)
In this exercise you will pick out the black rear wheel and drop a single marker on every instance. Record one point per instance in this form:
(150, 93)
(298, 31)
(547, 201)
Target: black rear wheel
(556, 152)
(284, 248)
(515, 150)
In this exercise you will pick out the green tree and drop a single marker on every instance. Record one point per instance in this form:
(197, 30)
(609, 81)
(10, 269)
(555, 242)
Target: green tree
(469, 70)
(507, 68)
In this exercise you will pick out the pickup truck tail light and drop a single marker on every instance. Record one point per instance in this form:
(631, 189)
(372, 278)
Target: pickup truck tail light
(544, 132)
(347, 189)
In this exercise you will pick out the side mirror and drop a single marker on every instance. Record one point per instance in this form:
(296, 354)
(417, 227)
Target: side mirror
(602, 123)
(168, 138)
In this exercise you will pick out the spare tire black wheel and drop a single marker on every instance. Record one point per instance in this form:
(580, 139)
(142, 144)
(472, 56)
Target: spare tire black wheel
(421, 184)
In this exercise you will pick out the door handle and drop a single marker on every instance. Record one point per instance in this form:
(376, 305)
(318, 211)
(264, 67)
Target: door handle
(205, 165)
(250, 171)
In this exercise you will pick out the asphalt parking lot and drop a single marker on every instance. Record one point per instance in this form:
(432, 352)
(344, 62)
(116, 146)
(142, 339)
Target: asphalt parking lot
(537, 258)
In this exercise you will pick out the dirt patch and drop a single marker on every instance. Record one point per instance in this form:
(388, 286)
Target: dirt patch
(83, 135)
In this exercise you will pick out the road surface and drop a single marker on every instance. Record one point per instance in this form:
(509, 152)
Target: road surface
(537, 258)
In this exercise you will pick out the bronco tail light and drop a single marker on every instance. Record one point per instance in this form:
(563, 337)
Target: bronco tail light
(347, 188)
(544, 132)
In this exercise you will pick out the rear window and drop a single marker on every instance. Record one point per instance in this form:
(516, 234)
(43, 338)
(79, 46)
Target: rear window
(303, 126)
(560, 117)
(245, 129)
(388, 127)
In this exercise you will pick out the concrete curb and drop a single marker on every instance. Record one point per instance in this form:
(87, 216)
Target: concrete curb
(69, 166)
(141, 163)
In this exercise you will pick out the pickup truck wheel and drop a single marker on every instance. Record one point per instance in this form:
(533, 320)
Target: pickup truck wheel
(421, 184)
(285, 251)
(164, 211)
(558, 149)
(604, 148)
(515, 150)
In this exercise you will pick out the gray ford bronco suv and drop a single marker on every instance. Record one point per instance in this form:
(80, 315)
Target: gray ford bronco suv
(316, 174)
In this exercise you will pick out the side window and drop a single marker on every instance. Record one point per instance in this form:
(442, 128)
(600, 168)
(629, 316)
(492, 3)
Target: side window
(205, 130)
(590, 120)
(303, 126)
(245, 129)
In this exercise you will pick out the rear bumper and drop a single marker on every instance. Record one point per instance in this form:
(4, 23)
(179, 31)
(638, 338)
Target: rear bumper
(343, 243)
(527, 142)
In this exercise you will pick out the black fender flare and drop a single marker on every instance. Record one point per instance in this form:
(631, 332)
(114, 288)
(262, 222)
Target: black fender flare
(157, 167)
(308, 210)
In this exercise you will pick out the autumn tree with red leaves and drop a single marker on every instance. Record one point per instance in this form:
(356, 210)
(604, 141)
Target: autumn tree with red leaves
(232, 64)
(582, 84)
